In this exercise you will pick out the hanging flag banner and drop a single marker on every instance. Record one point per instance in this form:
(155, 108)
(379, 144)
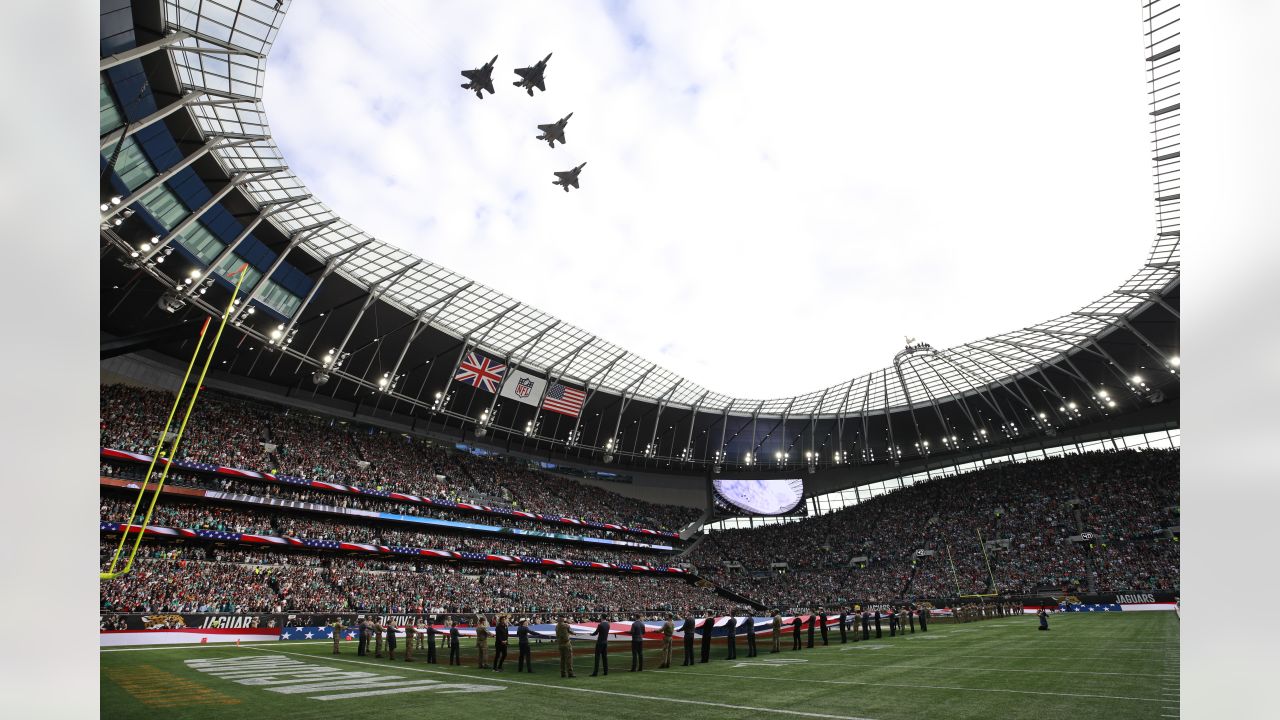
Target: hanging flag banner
(480, 371)
(564, 400)
(523, 387)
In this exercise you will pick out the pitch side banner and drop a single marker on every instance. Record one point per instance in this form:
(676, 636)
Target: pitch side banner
(523, 387)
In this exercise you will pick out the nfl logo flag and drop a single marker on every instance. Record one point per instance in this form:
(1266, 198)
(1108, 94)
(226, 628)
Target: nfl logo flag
(564, 400)
(480, 371)
(523, 387)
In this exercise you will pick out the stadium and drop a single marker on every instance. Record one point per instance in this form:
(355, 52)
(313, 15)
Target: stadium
(329, 465)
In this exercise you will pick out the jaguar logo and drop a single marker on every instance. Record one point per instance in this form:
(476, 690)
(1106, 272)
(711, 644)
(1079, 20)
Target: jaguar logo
(165, 622)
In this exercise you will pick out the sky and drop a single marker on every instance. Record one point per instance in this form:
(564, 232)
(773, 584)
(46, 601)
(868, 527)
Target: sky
(776, 194)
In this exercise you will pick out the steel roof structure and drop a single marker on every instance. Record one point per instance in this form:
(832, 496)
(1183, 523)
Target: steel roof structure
(216, 54)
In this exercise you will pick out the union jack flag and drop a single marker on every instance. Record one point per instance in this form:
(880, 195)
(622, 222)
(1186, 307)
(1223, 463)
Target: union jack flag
(480, 371)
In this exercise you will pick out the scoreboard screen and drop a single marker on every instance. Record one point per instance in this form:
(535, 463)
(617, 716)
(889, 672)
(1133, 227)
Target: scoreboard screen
(760, 497)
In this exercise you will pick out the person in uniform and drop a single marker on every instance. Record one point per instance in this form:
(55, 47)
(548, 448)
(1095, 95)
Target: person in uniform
(866, 624)
(455, 643)
(409, 633)
(378, 630)
(777, 632)
(391, 640)
(687, 629)
(431, 639)
(337, 634)
(601, 634)
(708, 625)
(844, 625)
(731, 637)
(812, 618)
(1044, 619)
(877, 619)
(522, 636)
(637, 644)
(565, 644)
(911, 618)
(751, 635)
(668, 629)
(924, 619)
(482, 640)
(796, 624)
(500, 640)
(893, 621)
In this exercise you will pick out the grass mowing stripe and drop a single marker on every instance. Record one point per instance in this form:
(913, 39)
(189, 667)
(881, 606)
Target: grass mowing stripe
(923, 687)
(636, 696)
(975, 669)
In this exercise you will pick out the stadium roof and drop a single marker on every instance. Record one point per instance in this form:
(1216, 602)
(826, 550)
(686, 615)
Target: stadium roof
(182, 80)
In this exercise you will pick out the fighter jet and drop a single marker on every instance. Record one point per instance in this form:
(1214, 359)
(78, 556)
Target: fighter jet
(531, 77)
(481, 79)
(568, 177)
(555, 131)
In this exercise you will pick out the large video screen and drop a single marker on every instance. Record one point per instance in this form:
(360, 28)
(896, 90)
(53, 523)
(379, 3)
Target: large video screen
(759, 497)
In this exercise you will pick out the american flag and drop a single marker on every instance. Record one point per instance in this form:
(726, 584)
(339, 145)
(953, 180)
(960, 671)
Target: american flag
(480, 371)
(564, 400)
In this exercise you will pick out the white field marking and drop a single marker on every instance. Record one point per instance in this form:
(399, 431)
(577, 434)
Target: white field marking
(568, 688)
(420, 685)
(211, 646)
(973, 669)
(863, 647)
(919, 687)
(1017, 657)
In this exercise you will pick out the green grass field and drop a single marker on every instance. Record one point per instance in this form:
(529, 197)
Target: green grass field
(1094, 665)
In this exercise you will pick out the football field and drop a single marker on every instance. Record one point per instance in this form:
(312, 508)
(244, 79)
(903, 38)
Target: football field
(1104, 665)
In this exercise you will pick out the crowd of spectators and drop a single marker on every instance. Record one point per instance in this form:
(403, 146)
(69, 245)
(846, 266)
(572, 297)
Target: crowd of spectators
(277, 491)
(1125, 500)
(180, 578)
(229, 431)
(204, 516)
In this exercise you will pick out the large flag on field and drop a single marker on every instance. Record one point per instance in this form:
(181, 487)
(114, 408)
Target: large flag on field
(480, 371)
(564, 400)
(523, 387)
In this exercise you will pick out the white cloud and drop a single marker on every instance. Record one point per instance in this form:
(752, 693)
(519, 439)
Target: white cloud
(768, 186)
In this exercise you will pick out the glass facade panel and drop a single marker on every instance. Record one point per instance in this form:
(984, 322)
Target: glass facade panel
(164, 206)
(109, 117)
(202, 243)
(279, 299)
(132, 166)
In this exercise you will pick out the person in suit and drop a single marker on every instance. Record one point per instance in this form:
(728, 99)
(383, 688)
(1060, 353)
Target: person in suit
(391, 640)
(822, 624)
(687, 629)
(564, 642)
(1044, 619)
(601, 634)
(500, 639)
(877, 618)
(924, 619)
(668, 629)
(708, 625)
(362, 626)
(893, 622)
(522, 639)
(911, 618)
(455, 643)
(431, 639)
(812, 618)
(751, 635)
(482, 640)
(844, 625)
(796, 623)
(408, 641)
(637, 644)
(866, 624)
(777, 632)
(731, 637)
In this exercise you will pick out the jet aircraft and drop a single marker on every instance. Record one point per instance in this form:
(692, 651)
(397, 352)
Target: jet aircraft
(531, 77)
(481, 79)
(566, 178)
(555, 131)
